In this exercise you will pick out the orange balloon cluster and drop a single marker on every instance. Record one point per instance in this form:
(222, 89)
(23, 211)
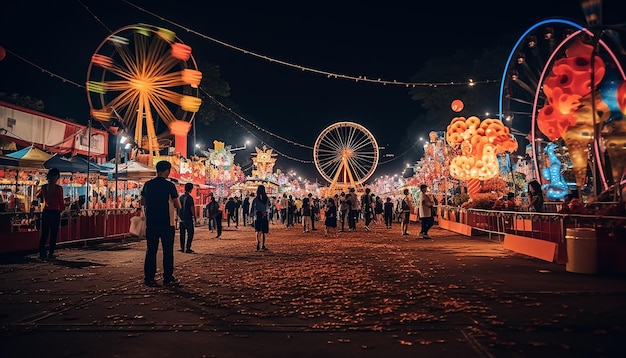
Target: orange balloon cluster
(569, 81)
(479, 143)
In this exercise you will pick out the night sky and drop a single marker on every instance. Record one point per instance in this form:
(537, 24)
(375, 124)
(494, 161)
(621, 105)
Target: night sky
(388, 40)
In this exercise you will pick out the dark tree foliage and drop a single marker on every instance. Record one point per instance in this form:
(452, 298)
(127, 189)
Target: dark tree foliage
(478, 64)
(23, 101)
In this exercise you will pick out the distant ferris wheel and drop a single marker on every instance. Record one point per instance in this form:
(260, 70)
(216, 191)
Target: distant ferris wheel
(346, 155)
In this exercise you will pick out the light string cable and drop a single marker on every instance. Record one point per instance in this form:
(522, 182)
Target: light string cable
(52, 74)
(230, 111)
(399, 155)
(234, 114)
(309, 69)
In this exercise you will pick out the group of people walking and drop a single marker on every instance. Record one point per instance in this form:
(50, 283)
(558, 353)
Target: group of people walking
(163, 207)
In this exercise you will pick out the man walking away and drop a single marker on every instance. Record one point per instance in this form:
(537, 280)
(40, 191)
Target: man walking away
(160, 199)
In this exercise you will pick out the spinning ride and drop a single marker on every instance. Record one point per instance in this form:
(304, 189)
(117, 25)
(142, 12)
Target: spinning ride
(346, 155)
(141, 74)
(559, 93)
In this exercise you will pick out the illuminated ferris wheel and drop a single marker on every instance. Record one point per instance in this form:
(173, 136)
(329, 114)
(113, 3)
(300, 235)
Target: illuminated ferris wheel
(346, 155)
(141, 74)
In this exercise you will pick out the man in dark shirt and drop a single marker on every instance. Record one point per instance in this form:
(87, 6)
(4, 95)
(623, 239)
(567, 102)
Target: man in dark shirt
(187, 219)
(230, 209)
(160, 200)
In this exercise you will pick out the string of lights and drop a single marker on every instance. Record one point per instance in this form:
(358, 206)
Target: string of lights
(328, 74)
(221, 105)
(237, 115)
(52, 74)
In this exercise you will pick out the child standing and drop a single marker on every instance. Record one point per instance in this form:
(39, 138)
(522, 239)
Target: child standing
(388, 212)
(330, 220)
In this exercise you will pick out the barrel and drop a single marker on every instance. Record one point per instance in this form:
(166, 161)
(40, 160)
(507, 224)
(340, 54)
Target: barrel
(582, 250)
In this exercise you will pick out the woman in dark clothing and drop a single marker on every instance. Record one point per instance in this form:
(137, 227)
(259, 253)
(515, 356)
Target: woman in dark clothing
(260, 209)
(215, 215)
(535, 197)
(52, 196)
(331, 218)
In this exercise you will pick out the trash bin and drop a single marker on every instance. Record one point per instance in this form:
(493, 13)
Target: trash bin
(582, 250)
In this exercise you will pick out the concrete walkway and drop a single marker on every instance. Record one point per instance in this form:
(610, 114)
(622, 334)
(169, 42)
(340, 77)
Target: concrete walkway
(361, 294)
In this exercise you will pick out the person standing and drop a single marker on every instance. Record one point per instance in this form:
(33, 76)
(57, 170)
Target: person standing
(315, 210)
(330, 220)
(378, 210)
(245, 206)
(283, 209)
(388, 212)
(230, 209)
(160, 199)
(406, 208)
(343, 209)
(426, 211)
(187, 219)
(215, 215)
(535, 197)
(51, 194)
(260, 210)
(236, 213)
(307, 208)
(366, 206)
(353, 209)
(291, 211)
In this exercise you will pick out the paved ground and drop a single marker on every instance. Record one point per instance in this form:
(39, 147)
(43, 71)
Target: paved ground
(362, 294)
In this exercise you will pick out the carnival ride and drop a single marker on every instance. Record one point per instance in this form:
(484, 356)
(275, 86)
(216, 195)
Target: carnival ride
(141, 74)
(566, 85)
(346, 155)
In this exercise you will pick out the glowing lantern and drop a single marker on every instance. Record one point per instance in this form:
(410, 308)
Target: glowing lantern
(167, 35)
(180, 129)
(457, 105)
(190, 104)
(3, 53)
(102, 61)
(181, 51)
(101, 115)
(191, 77)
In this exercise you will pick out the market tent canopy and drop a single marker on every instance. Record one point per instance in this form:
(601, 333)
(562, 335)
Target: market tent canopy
(71, 165)
(8, 161)
(132, 169)
(30, 157)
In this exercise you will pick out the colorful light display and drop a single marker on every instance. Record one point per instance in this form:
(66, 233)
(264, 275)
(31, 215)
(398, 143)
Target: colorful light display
(478, 143)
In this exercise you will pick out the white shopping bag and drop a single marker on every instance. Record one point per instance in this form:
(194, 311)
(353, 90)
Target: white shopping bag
(138, 226)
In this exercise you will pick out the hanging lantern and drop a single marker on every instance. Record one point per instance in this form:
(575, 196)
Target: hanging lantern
(180, 129)
(190, 104)
(191, 77)
(3, 53)
(181, 51)
(457, 105)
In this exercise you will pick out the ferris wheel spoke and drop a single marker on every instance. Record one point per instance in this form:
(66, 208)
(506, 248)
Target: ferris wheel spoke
(330, 167)
(332, 144)
(362, 143)
(128, 59)
(332, 156)
(161, 108)
(121, 100)
(120, 72)
(118, 85)
(357, 167)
